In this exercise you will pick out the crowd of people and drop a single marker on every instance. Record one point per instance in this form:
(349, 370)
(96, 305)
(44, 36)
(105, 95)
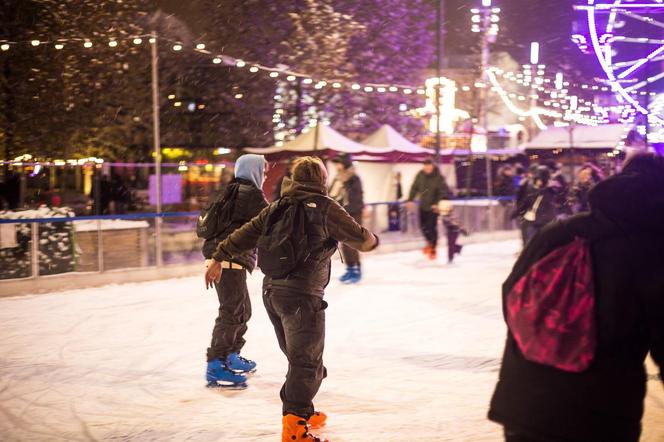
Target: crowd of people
(583, 304)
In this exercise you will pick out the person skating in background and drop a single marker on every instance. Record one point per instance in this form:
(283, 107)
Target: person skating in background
(287, 174)
(430, 188)
(587, 178)
(294, 298)
(522, 202)
(453, 229)
(346, 189)
(243, 199)
(602, 400)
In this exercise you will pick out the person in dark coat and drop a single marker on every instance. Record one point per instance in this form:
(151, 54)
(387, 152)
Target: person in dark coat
(346, 189)
(223, 355)
(541, 201)
(430, 187)
(295, 303)
(587, 178)
(522, 202)
(604, 403)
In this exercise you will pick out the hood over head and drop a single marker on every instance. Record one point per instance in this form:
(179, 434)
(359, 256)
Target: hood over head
(633, 199)
(251, 167)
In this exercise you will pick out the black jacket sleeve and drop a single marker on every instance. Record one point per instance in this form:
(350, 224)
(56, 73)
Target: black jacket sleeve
(415, 188)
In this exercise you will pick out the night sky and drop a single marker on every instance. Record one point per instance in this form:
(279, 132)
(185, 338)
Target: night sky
(522, 21)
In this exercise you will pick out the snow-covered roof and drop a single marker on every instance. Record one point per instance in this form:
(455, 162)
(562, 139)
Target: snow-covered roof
(388, 139)
(606, 136)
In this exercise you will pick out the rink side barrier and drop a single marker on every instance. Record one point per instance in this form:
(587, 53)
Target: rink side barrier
(59, 253)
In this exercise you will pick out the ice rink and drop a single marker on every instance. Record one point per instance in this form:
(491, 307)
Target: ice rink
(412, 354)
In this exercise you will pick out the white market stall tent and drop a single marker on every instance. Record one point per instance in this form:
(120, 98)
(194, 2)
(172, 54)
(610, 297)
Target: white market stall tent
(603, 137)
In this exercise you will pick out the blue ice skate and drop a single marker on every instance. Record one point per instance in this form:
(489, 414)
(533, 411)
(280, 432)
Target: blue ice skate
(237, 363)
(220, 376)
(347, 276)
(355, 275)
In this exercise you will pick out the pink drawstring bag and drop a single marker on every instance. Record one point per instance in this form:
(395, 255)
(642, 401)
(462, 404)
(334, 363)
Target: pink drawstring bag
(551, 309)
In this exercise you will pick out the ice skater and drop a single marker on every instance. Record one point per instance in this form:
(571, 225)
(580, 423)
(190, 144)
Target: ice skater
(242, 200)
(430, 187)
(453, 229)
(346, 189)
(296, 237)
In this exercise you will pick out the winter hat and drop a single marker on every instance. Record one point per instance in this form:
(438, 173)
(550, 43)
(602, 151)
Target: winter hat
(344, 159)
(251, 167)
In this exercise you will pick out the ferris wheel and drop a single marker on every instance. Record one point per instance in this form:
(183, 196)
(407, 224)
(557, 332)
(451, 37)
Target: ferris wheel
(627, 37)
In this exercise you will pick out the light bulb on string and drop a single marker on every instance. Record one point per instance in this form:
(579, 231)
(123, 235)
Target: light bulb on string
(200, 46)
(407, 91)
(177, 47)
(35, 43)
(87, 44)
(291, 78)
(253, 69)
(368, 89)
(138, 41)
(4, 47)
(393, 88)
(240, 64)
(216, 60)
(152, 40)
(274, 74)
(336, 85)
(307, 81)
(58, 46)
(381, 89)
(355, 87)
(112, 43)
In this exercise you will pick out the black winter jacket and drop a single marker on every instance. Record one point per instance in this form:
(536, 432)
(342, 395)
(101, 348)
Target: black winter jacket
(352, 196)
(605, 403)
(249, 203)
(328, 224)
(430, 189)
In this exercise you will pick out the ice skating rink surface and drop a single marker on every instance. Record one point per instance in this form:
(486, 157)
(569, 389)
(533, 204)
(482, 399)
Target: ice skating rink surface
(412, 354)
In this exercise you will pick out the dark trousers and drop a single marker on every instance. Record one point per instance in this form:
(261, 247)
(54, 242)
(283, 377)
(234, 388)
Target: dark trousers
(452, 247)
(299, 322)
(234, 313)
(350, 256)
(429, 226)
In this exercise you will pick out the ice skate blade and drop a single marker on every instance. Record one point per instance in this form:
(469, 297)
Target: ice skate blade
(227, 387)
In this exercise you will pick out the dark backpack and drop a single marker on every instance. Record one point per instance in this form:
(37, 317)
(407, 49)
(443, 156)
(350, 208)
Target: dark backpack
(550, 311)
(283, 244)
(218, 215)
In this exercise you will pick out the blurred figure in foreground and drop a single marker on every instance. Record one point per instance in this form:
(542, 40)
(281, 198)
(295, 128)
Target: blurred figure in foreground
(430, 188)
(579, 374)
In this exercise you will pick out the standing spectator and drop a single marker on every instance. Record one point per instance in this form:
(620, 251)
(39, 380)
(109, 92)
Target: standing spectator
(505, 182)
(430, 188)
(277, 188)
(346, 189)
(604, 401)
(589, 176)
(522, 202)
(542, 206)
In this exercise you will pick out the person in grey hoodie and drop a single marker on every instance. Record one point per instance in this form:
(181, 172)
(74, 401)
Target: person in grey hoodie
(223, 355)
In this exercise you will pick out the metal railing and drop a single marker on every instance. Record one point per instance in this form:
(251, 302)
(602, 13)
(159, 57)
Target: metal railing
(59, 245)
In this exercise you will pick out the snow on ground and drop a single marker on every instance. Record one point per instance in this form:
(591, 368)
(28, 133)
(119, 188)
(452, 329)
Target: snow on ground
(412, 355)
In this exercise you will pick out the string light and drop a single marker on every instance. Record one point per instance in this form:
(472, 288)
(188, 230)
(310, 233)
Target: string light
(112, 43)
(138, 41)
(200, 46)
(87, 44)
(253, 69)
(35, 43)
(274, 74)
(216, 60)
(177, 47)
(152, 40)
(291, 78)
(240, 64)
(4, 47)
(59, 46)
(307, 81)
